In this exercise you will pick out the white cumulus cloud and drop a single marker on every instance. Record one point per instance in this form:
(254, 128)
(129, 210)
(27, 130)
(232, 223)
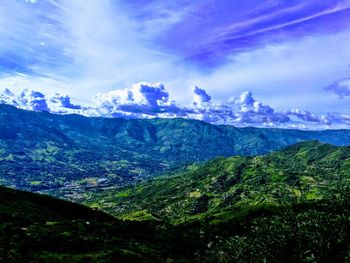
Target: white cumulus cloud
(150, 100)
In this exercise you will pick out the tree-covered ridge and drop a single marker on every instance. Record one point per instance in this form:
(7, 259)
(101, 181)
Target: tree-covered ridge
(35, 228)
(287, 206)
(41, 151)
(301, 173)
(42, 229)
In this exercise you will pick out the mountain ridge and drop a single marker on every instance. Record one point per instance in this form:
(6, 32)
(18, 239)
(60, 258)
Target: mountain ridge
(73, 151)
(297, 174)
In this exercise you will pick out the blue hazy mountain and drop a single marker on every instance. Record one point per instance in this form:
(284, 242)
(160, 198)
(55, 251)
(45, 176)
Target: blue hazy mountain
(39, 150)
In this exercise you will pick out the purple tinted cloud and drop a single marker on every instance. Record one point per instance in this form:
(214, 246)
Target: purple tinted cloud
(200, 96)
(64, 101)
(340, 87)
(222, 32)
(305, 115)
(34, 100)
(154, 94)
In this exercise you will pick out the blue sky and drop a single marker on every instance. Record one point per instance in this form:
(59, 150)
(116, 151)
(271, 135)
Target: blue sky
(289, 54)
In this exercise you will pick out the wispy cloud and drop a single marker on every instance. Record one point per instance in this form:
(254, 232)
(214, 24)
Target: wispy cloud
(272, 21)
(93, 44)
(31, 1)
(252, 29)
(282, 51)
(340, 87)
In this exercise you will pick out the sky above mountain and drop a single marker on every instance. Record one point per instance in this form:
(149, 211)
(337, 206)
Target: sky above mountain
(274, 63)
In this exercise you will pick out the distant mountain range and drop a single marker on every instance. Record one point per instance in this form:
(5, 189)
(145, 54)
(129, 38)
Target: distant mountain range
(40, 151)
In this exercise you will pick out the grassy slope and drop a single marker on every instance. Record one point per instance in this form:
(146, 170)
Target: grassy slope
(300, 173)
(288, 206)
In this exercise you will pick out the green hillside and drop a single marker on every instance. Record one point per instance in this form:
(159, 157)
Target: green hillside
(41, 151)
(301, 173)
(287, 206)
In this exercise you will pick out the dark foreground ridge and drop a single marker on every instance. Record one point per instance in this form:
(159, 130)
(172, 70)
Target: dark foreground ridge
(35, 228)
(317, 232)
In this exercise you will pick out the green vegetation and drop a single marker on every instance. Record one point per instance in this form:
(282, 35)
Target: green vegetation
(288, 206)
(291, 205)
(49, 230)
(36, 228)
(301, 173)
(316, 232)
(56, 151)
